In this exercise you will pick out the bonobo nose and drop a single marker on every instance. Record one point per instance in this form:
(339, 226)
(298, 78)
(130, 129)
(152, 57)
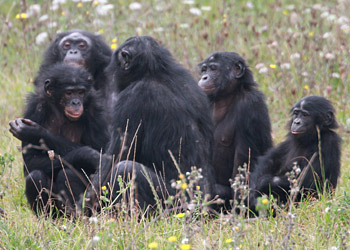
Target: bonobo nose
(205, 77)
(296, 121)
(73, 51)
(76, 102)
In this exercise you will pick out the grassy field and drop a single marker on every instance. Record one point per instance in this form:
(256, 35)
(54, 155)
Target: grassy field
(295, 48)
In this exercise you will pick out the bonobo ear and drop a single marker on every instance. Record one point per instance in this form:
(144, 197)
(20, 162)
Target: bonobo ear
(329, 119)
(48, 87)
(239, 70)
(124, 58)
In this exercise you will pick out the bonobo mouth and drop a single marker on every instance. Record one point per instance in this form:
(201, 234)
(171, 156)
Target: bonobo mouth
(298, 132)
(209, 89)
(73, 115)
(74, 63)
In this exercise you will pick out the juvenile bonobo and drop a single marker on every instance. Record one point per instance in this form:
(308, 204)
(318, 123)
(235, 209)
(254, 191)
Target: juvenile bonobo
(161, 109)
(64, 116)
(312, 148)
(242, 129)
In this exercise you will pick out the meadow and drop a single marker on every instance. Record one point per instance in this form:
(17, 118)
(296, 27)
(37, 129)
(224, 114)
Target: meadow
(294, 48)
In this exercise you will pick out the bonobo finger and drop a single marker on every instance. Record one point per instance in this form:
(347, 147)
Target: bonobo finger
(19, 122)
(13, 124)
(13, 132)
(28, 121)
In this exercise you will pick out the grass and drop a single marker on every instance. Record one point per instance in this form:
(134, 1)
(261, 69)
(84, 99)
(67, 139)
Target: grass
(304, 48)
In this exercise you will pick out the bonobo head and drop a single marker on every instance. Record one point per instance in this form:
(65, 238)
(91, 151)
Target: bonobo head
(137, 58)
(309, 112)
(67, 88)
(79, 48)
(223, 73)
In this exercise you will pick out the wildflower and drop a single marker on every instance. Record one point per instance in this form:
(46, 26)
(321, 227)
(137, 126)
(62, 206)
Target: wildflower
(326, 35)
(272, 66)
(21, 16)
(79, 5)
(43, 18)
(306, 87)
(51, 154)
(153, 245)
(196, 11)
(114, 46)
(139, 31)
(311, 34)
(64, 227)
(95, 3)
(63, 13)
(263, 70)
(228, 240)
(101, 31)
(33, 10)
(327, 209)
(265, 201)
(96, 238)
(325, 14)
(206, 8)
(295, 56)
(111, 220)
(135, 6)
(198, 188)
(180, 215)
(41, 38)
(102, 10)
(285, 12)
(285, 66)
(259, 65)
(331, 18)
(181, 176)
(330, 56)
(185, 246)
(114, 40)
(335, 75)
(189, 2)
(93, 220)
(237, 229)
(172, 239)
(158, 29)
(184, 186)
(345, 28)
(184, 25)
(104, 188)
(249, 5)
(87, 13)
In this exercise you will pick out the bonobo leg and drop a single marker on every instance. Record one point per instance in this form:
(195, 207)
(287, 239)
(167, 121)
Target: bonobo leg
(143, 178)
(38, 191)
(69, 187)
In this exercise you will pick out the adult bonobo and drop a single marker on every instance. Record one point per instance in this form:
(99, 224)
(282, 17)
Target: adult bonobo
(242, 129)
(160, 109)
(311, 150)
(80, 48)
(62, 115)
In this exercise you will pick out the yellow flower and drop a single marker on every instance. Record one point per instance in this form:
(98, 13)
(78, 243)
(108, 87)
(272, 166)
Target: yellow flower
(185, 246)
(153, 245)
(101, 31)
(265, 201)
(224, 16)
(311, 34)
(95, 3)
(182, 176)
(272, 66)
(180, 215)
(285, 12)
(104, 188)
(237, 228)
(114, 40)
(306, 87)
(172, 239)
(63, 13)
(198, 188)
(184, 186)
(114, 46)
(228, 240)
(21, 16)
(87, 12)
(79, 5)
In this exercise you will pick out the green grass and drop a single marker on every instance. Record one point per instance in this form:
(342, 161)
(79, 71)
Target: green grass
(270, 32)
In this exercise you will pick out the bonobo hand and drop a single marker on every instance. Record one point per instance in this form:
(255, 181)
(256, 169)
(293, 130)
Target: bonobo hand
(26, 130)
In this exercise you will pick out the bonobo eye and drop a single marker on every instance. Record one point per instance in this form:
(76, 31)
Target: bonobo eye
(66, 45)
(295, 112)
(81, 92)
(68, 93)
(305, 113)
(204, 68)
(125, 54)
(212, 67)
(82, 46)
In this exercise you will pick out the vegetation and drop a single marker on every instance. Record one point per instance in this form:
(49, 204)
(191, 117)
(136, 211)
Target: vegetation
(295, 48)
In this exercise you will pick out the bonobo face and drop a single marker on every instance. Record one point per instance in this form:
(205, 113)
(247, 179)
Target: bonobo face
(75, 49)
(221, 73)
(68, 88)
(302, 120)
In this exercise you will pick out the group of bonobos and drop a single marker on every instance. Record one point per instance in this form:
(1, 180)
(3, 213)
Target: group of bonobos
(137, 113)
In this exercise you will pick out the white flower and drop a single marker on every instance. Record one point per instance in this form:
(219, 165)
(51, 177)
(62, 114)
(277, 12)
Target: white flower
(41, 38)
(274, 44)
(86, 1)
(96, 238)
(305, 74)
(321, 54)
(295, 56)
(158, 29)
(103, 9)
(33, 10)
(184, 241)
(345, 28)
(331, 18)
(43, 18)
(330, 56)
(291, 7)
(259, 65)
(335, 75)
(93, 219)
(196, 11)
(342, 20)
(189, 2)
(249, 5)
(57, 2)
(325, 14)
(263, 70)
(135, 6)
(52, 25)
(285, 66)
(184, 25)
(327, 209)
(317, 6)
(206, 8)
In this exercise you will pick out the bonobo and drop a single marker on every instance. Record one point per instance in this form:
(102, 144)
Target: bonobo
(311, 151)
(64, 116)
(242, 129)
